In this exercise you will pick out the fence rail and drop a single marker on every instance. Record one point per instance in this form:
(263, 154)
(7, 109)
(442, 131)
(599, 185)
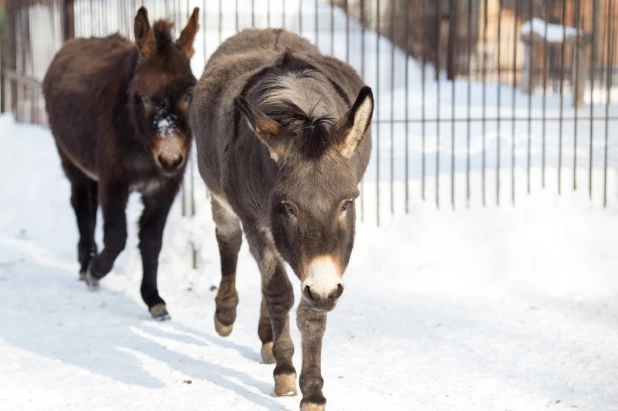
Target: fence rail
(478, 102)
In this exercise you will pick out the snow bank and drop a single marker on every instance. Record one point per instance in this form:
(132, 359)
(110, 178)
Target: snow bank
(555, 33)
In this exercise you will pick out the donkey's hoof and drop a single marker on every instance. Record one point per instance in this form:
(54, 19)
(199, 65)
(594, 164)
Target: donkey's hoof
(91, 282)
(159, 312)
(312, 406)
(223, 330)
(285, 385)
(267, 353)
(82, 276)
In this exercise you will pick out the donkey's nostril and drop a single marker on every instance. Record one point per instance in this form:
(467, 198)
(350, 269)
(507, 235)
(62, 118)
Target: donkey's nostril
(308, 293)
(177, 162)
(339, 290)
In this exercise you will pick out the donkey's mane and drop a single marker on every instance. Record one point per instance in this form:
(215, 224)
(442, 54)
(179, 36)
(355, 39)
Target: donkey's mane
(163, 34)
(310, 128)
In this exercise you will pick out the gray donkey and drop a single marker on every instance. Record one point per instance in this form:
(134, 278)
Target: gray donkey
(283, 140)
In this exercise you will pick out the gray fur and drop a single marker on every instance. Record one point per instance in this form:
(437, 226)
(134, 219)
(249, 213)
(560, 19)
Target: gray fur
(278, 147)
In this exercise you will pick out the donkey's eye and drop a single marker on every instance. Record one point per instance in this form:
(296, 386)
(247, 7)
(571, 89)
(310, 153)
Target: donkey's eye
(187, 98)
(289, 208)
(346, 205)
(145, 100)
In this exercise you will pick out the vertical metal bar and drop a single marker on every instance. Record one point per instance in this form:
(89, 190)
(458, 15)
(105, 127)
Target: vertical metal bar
(347, 32)
(531, 60)
(452, 53)
(69, 19)
(332, 27)
(603, 60)
(514, 98)
(593, 58)
(183, 198)
(220, 20)
(423, 126)
(596, 28)
(362, 24)
(483, 122)
(191, 176)
(106, 20)
(392, 153)
(252, 13)
(575, 97)
(283, 2)
(545, 69)
(610, 70)
(300, 17)
(316, 22)
(268, 13)
(406, 107)
(237, 22)
(437, 54)
(499, 98)
(204, 27)
(377, 103)
(562, 52)
(469, 103)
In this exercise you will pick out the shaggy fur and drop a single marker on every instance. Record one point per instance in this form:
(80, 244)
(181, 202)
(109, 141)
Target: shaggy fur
(283, 140)
(119, 115)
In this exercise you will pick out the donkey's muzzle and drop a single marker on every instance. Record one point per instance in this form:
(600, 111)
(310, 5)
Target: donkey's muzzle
(320, 300)
(322, 284)
(169, 151)
(171, 164)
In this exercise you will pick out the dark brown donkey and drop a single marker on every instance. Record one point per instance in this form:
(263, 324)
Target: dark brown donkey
(119, 114)
(283, 140)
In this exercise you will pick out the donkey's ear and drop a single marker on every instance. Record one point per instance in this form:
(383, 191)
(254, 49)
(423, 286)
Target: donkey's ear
(263, 126)
(144, 36)
(352, 127)
(185, 41)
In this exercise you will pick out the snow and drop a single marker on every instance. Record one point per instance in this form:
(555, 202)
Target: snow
(555, 33)
(499, 308)
(165, 123)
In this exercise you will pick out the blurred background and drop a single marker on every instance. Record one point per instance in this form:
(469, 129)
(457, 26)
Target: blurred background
(479, 102)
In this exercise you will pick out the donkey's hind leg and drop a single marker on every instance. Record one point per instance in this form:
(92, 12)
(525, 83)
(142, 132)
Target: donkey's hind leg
(229, 238)
(84, 202)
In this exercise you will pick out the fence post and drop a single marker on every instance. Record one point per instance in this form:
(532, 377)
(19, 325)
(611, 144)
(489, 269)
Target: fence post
(596, 28)
(9, 47)
(68, 19)
(580, 72)
(453, 33)
(3, 45)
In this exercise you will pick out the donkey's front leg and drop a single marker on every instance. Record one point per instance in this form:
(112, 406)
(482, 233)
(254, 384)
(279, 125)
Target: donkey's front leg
(279, 295)
(113, 197)
(151, 225)
(312, 324)
(229, 238)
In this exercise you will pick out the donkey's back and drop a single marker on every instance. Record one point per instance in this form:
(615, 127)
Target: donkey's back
(78, 69)
(78, 93)
(260, 43)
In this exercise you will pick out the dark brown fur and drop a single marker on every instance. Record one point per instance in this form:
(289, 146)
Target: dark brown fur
(119, 114)
(279, 130)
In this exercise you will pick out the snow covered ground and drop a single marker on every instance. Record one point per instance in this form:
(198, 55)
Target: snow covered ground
(481, 309)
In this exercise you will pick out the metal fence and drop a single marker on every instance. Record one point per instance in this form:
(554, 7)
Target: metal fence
(478, 102)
